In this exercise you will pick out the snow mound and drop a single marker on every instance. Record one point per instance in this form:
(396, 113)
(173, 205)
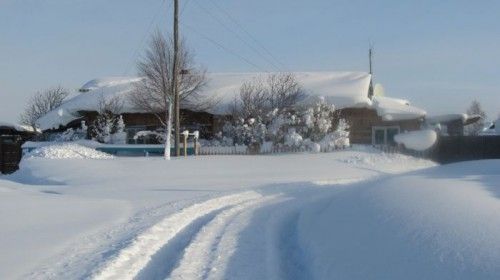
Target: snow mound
(67, 151)
(438, 223)
(420, 140)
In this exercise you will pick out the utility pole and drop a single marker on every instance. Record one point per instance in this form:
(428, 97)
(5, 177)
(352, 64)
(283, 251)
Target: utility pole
(175, 80)
(370, 56)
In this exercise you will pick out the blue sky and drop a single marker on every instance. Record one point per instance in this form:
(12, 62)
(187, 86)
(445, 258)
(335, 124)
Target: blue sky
(438, 54)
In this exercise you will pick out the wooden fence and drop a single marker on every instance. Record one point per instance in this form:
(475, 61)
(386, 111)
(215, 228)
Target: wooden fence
(10, 154)
(449, 149)
(461, 148)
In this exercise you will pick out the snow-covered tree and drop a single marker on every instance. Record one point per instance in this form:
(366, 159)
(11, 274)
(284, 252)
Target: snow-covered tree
(475, 128)
(120, 125)
(106, 122)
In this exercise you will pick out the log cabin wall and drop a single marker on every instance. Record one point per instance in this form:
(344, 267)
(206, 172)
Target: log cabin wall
(361, 121)
(201, 121)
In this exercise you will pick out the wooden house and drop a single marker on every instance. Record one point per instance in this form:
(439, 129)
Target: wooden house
(373, 119)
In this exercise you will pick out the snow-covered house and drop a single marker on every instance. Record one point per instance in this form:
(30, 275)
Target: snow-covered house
(372, 119)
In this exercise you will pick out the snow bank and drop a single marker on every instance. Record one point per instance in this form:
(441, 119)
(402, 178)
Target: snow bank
(419, 140)
(66, 151)
(440, 223)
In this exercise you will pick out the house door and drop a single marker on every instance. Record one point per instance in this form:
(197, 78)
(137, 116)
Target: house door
(384, 135)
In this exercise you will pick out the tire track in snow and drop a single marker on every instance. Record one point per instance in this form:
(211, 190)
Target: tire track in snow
(131, 260)
(263, 243)
(197, 259)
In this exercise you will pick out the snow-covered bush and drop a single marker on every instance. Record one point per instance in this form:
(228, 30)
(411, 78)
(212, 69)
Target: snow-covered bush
(158, 136)
(337, 139)
(293, 139)
(120, 136)
(317, 120)
(101, 129)
(73, 134)
(244, 132)
(109, 129)
(302, 127)
(108, 121)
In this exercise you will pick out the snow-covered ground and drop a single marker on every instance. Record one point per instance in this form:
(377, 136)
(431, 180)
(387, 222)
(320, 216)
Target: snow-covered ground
(349, 214)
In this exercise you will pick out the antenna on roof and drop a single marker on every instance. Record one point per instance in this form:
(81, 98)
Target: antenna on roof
(370, 57)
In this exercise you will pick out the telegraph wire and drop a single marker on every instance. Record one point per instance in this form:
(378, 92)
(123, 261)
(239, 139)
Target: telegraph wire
(135, 54)
(237, 35)
(256, 41)
(222, 47)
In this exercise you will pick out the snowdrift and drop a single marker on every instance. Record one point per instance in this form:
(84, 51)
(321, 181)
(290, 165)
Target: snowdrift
(66, 151)
(419, 140)
(439, 223)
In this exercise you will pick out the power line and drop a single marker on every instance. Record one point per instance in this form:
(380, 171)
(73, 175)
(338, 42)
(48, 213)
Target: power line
(248, 33)
(237, 35)
(145, 35)
(225, 48)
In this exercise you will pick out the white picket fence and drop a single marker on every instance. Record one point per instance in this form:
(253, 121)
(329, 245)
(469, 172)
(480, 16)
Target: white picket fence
(223, 150)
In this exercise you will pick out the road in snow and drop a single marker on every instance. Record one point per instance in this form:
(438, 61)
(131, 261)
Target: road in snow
(270, 217)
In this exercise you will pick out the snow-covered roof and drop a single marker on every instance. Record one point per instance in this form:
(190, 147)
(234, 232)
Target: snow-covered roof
(394, 109)
(343, 89)
(91, 96)
(17, 127)
(464, 118)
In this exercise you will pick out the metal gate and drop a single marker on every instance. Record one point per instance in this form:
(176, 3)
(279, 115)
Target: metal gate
(10, 154)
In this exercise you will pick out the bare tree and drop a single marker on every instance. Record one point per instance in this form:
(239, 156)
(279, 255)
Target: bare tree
(154, 93)
(262, 95)
(41, 103)
(475, 128)
(284, 91)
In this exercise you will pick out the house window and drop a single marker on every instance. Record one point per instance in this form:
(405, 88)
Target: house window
(384, 135)
(379, 137)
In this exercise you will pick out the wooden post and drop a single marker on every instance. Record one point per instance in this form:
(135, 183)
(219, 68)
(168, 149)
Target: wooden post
(185, 144)
(195, 146)
(175, 80)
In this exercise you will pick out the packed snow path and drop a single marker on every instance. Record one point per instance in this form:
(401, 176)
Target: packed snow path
(249, 235)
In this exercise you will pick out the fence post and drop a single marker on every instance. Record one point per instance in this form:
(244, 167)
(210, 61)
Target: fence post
(1, 156)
